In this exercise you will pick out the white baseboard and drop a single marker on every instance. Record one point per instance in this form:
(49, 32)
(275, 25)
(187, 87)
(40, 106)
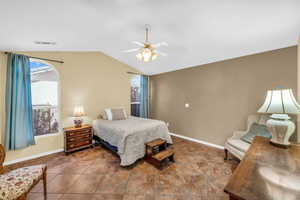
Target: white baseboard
(32, 157)
(198, 141)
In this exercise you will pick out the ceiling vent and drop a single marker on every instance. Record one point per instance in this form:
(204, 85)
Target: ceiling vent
(44, 43)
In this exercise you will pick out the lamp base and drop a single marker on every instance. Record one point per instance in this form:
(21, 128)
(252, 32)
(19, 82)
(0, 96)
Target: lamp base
(281, 129)
(78, 123)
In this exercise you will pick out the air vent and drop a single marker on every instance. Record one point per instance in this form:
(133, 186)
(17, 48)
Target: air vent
(44, 43)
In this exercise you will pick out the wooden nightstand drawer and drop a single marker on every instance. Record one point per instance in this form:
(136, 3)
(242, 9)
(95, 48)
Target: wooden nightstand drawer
(83, 143)
(86, 136)
(78, 134)
(78, 138)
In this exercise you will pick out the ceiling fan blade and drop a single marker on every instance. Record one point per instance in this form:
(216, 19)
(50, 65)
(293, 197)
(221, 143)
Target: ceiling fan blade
(138, 43)
(160, 44)
(131, 50)
(161, 53)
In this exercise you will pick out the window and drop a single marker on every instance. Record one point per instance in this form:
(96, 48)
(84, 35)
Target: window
(44, 92)
(135, 95)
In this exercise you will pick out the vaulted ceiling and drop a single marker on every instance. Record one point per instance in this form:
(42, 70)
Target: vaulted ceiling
(197, 31)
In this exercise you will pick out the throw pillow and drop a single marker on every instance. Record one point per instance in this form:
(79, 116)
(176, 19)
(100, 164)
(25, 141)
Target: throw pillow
(115, 114)
(256, 130)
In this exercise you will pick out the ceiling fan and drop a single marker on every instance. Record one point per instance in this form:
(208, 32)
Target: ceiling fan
(147, 51)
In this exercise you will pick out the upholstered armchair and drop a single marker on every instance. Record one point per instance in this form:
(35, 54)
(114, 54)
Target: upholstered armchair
(16, 184)
(235, 145)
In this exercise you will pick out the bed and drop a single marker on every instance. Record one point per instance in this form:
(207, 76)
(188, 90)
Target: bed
(128, 137)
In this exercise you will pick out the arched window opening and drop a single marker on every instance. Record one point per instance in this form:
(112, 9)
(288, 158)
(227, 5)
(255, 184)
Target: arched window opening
(44, 91)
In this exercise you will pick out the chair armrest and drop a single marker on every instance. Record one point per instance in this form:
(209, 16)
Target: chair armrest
(238, 134)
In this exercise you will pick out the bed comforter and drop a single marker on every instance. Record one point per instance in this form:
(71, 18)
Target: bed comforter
(130, 135)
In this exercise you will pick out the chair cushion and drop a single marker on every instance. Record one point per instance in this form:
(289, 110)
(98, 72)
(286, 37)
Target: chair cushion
(238, 144)
(17, 182)
(256, 130)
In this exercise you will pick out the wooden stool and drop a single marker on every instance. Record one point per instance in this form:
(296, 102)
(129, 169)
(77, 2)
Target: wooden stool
(158, 154)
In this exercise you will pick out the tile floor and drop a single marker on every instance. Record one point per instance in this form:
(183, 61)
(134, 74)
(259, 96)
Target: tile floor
(198, 173)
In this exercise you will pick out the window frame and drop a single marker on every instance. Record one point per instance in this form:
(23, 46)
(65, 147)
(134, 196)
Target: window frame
(58, 100)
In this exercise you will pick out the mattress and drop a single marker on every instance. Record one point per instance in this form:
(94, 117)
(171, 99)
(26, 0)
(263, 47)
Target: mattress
(130, 135)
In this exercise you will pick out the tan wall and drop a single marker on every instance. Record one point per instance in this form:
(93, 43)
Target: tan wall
(222, 94)
(298, 84)
(93, 80)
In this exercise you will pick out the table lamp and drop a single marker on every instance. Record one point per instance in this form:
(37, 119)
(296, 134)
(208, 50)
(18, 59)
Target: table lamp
(280, 103)
(78, 114)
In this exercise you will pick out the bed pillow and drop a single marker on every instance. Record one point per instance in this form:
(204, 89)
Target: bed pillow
(256, 130)
(103, 115)
(115, 114)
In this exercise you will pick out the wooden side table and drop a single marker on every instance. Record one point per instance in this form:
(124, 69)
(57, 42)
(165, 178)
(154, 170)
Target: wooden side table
(78, 138)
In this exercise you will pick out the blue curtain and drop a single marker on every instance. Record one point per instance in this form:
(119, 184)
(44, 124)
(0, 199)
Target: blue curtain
(19, 131)
(144, 95)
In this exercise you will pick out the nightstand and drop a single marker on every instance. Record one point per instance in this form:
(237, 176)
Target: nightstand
(78, 138)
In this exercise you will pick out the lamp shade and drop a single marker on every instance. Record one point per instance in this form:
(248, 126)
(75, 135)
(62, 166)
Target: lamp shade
(280, 102)
(78, 111)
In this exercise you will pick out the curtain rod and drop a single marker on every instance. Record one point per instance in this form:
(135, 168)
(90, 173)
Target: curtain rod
(134, 73)
(58, 61)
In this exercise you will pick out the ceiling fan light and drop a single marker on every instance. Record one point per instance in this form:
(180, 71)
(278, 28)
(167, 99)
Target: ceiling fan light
(139, 56)
(147, 59)
(154, 56)
(147, 53)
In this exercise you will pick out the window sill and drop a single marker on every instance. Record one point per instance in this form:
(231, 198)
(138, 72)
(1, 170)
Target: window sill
(47, 135)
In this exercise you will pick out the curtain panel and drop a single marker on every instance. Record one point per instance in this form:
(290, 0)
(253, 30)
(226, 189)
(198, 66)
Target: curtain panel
(19, 131)
(144, 95)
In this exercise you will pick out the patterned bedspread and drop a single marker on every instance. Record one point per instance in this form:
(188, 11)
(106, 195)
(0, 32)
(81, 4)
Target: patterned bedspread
(130, 135)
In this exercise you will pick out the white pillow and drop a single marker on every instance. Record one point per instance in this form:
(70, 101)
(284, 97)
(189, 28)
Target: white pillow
(108, 113)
